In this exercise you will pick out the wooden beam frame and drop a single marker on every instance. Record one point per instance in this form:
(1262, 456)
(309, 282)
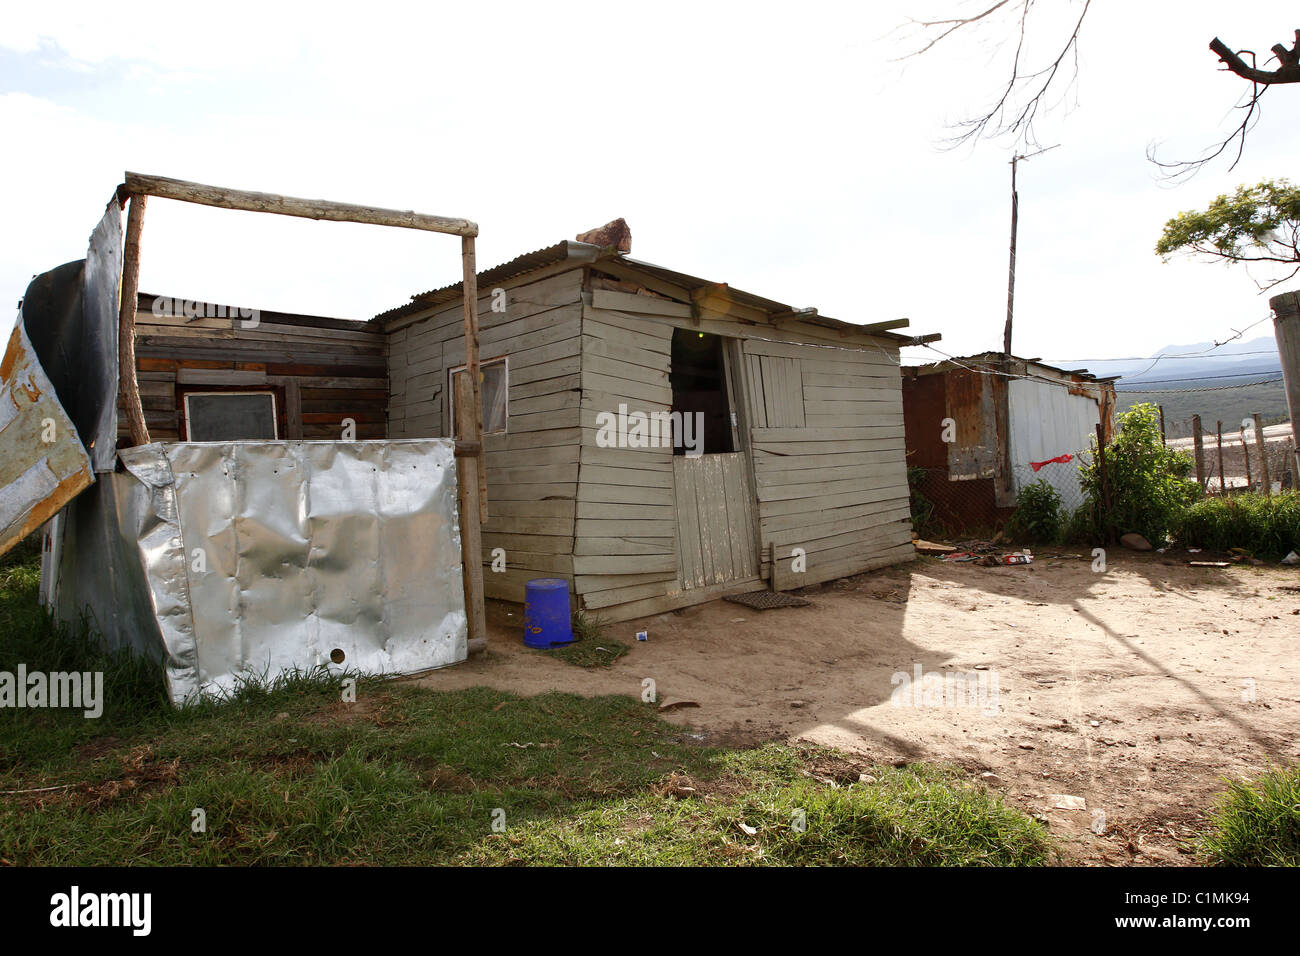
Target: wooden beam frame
(179, 189)
(136, 189)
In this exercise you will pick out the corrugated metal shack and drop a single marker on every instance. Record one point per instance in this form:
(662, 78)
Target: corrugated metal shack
(979, 424)
(802, 451)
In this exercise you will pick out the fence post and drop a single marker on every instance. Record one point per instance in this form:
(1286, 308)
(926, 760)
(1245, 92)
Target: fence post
(1223, 476)
(1245, 454)
(1199, 444)
(1263, 455)
(1162, 424)
(1105, 480)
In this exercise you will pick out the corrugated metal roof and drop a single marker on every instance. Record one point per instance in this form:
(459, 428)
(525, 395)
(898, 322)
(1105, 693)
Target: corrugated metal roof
(989, 358)
(528, 262)
(585, 252)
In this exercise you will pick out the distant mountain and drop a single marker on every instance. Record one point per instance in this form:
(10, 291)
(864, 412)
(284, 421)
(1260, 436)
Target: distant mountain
(1195, 366)
(1184, 366)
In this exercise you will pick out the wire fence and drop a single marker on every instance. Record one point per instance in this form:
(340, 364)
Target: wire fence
(946, 504)
(1233, 459)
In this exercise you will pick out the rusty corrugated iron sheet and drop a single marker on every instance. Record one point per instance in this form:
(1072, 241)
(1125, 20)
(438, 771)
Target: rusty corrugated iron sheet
(58, 407)
(43, 464)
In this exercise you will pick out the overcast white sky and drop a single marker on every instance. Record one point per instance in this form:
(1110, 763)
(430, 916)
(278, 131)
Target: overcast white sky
(771, 146)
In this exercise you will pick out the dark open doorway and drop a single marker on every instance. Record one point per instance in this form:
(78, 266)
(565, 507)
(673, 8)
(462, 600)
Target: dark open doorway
(699, 382)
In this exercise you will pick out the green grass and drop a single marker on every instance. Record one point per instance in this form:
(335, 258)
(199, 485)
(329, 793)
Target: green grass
(764, 808)
(592, 645)
(1257, 822)
(1267, 527)
(286, 773)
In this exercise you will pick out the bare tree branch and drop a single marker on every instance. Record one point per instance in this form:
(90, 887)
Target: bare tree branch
(1183, 169)
(1288, 72)
(1024, 95)
(953, 25)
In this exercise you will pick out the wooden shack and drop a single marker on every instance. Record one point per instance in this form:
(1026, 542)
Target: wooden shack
(212, 372)
(798, 477)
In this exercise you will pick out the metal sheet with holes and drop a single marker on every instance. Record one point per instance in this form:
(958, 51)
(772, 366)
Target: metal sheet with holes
(259, 558)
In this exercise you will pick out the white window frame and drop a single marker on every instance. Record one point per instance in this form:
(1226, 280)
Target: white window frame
(503, 360)
(275, 409)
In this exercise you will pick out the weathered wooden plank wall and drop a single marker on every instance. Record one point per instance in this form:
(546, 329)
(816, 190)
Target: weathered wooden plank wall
(532, 469)
(716, 537)
(624, 547)
(836, 488)
(322, 370)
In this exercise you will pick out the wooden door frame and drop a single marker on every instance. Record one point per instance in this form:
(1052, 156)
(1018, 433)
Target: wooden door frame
(733, 370)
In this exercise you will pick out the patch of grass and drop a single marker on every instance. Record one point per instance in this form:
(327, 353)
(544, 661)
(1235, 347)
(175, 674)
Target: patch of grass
(1266, 526)
(284, 772)
(772, 807)
(1257, 822)
(592, 645)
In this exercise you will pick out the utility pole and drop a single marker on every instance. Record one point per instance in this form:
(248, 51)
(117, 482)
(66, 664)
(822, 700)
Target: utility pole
(1011, 268)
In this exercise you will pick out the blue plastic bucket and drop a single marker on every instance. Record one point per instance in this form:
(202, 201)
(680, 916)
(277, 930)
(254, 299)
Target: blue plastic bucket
(547, 620)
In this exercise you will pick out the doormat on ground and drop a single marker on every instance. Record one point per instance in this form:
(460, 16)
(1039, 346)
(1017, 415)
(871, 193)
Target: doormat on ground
(766, 600)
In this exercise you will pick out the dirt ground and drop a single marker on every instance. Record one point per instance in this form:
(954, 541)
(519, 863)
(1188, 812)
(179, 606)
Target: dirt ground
(1137, 689)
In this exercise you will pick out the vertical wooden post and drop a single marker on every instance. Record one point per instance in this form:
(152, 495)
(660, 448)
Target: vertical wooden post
(1198, 443)
(128, 386)
(1223, 477)
(1262, 445)
(1105, 480)
(1245, 454)
(1162, 425)
(471, 529)
(470, 291)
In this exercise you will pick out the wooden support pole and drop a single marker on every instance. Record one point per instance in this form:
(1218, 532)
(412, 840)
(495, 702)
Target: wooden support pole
(140, 184)
(1245, 454)
(1262, 445)
(128, 386)
(1198, 442)
(1105, 480)
(1163, 441)
(471, 529)
(1223, 476)
(470, 292)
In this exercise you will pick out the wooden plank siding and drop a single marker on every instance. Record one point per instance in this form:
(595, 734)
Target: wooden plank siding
(625, 548)
(532, 469)
(837, 487)
(322, 370)
(715, 533)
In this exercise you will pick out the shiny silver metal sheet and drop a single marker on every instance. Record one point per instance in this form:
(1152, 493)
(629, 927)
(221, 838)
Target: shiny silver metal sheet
(257, 558)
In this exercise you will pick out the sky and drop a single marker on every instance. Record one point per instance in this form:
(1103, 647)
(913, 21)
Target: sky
(783, 149)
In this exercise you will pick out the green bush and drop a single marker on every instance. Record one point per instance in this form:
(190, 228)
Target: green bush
(1037, 517)
(1266, 527)
(1150, 486)
(1257, 822)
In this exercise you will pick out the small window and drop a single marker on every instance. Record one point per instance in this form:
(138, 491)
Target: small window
(230, 416)
(495, 389)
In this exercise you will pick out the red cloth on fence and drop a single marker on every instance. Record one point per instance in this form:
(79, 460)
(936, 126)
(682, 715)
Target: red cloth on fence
(1061, 458)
